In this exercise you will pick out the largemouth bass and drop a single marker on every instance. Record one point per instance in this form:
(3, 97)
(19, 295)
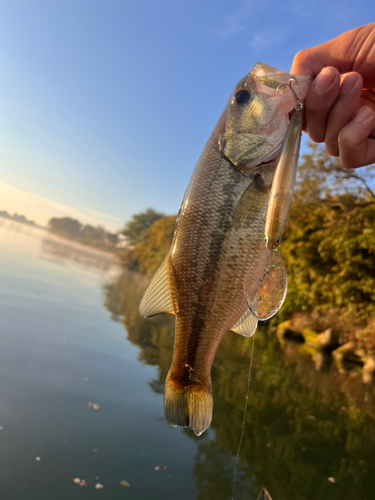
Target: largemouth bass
(219, 234)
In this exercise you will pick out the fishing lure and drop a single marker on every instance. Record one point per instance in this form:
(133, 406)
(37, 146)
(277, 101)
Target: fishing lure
(266, 296)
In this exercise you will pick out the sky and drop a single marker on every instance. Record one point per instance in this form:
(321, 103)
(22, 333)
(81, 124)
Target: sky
(106, 105)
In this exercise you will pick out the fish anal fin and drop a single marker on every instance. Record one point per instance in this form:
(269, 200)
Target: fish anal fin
(159, 296)
(253, 200)
(246, 325)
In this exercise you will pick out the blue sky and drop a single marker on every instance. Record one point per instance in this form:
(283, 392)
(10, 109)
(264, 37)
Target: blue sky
(106, 105)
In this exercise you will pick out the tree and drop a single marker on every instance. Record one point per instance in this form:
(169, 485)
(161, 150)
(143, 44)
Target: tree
(65, 227)
(139, 223)
(154, 244)
(329, 242)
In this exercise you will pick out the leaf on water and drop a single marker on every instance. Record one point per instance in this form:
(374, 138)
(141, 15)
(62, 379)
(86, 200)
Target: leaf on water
(272, 288)
(124, 483)
(38, 459)
(99, 486)
(94, 406)
(161, 468)
(76, 480)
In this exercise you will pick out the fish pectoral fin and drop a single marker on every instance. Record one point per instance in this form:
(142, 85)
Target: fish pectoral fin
(269, 296)
(253, 201)
(160, 295)
(246, 325)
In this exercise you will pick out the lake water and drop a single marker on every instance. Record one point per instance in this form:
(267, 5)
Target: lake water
(70, 334)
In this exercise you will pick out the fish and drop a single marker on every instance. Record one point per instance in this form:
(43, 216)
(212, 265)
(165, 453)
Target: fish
(273, 284)
(219, 235)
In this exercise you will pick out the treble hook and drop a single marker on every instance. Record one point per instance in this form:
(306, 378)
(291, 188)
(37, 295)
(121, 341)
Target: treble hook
(299, 104)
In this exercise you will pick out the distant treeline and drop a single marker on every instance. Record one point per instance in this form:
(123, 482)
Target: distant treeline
(328, 247)
(18, 218)
(74, 230)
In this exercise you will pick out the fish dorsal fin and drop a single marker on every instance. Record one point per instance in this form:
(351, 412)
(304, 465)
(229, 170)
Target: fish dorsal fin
(253, 200)
(265, 300)
(246, 325)
(160, 296)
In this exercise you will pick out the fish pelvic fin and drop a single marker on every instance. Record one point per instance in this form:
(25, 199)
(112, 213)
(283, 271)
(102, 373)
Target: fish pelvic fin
(189, 406)
(246, 325)
(160, 295)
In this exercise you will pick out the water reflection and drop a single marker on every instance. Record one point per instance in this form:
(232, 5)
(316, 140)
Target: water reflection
(58, 250)
(307, 422)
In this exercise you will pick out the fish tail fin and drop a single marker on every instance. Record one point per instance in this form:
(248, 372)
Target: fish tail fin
(189, 406)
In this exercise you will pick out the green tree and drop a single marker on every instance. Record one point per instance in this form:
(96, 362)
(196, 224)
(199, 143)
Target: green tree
(152, 247)
(65, 227)
(139, 223)
(329, 243)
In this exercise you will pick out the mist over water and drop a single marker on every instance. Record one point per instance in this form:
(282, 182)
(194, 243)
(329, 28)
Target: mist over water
(70, 334)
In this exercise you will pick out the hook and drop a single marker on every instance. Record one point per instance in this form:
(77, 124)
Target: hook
(299, 104)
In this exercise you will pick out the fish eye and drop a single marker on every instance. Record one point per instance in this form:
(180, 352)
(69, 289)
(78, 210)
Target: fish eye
(242, 96)
(278, 241)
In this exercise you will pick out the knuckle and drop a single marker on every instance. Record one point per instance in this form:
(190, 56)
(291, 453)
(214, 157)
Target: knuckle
(332, 149)
(299, 57)
(346, 139)
(347, 163)
(315, 136)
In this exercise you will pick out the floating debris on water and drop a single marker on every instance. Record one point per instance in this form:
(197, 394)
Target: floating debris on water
(268, 445)
(38, 459)
(79, 481)
(311, 417)
(99, 486)
(94, 406)
(331, 480)
(124, 483)
(95, 450)
(160, 468)
(1, 427)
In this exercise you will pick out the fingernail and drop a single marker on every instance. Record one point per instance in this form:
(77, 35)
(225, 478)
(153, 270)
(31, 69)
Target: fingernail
(363, 114)
(324, 80)
(348, 83)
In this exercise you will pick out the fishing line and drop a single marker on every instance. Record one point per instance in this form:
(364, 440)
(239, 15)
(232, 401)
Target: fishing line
(266, 494)
(244, 420)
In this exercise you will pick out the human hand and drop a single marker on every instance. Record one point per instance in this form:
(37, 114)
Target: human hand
(339, 111)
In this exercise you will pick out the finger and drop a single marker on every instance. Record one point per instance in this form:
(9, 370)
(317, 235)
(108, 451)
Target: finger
(320, 98)
(356, 149)
(351, 51)
(343, 110)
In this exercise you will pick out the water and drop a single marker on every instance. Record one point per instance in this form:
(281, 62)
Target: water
(70, 334)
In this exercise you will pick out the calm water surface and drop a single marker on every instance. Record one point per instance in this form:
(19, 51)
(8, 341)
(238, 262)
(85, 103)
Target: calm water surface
(70, 334)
